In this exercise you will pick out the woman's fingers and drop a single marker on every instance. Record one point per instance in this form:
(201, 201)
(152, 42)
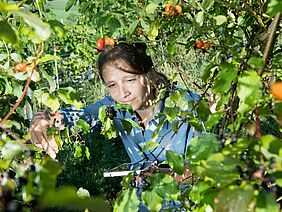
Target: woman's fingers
(38, 131)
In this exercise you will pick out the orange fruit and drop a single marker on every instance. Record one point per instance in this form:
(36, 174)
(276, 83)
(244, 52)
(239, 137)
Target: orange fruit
(21, 67)
(178, 9)
(167, 8)
(276, 90)
(207, 46)
(199, 44)
(100, 44)
(109, 41)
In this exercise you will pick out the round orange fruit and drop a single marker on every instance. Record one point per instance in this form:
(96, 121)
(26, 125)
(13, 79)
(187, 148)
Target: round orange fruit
(276, 90)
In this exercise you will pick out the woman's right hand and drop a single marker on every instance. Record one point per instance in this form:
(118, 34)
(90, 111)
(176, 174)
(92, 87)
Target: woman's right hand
(38, 131)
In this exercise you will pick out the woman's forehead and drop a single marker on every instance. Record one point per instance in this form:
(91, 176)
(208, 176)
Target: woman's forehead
(113, 72)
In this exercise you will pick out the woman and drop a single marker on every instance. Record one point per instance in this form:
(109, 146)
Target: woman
(130, 78)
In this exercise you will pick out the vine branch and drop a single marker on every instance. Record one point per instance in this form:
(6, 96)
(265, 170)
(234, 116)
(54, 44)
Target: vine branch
(270, 41)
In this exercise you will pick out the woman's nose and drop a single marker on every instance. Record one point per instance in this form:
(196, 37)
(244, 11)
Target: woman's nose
(124, 91)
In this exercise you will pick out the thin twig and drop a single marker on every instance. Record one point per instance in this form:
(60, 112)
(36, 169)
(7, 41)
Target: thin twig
(23, 93)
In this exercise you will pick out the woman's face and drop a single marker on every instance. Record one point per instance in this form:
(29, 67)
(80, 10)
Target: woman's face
(127, 88)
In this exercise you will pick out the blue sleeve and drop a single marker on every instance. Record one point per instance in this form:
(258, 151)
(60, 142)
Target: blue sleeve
(89, 113)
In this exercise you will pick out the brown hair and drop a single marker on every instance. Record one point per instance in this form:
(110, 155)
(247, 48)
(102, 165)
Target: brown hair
(135, 56)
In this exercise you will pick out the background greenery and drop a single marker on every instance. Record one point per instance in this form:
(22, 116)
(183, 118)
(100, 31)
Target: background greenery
(239, 157)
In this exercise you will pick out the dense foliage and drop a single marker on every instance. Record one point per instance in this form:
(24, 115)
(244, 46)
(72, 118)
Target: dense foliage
(228, 51)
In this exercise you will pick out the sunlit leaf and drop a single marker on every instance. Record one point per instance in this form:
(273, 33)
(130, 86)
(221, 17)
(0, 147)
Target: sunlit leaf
(83, 193)
(152, 200)
(69, 96)
(207, 4)
(201, 147)
(199, 18)
(58, 28)
(69, 4)
(128, 201)
(82, 124)
(16, 57)
(220, 19)
(249, 89)
(67, 198)
(11, 149)
(51, 101)
(151, 8)
(227, 200)
(219, 169)
(41, 28)
(223, 80)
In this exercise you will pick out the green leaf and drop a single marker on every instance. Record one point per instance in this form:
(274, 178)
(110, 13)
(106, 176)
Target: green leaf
(199, 18)
(67, 197)
(164, 185)
(51, 101)
(11, 149)
(207, 71)
(255, 62)
(213, 120)
(152, 200)
(220, 19)
(41, 28)
(51, 81)
(132, 27)
(153, 31)
(207, 4)
(219, 169)
(175, 161)
(128, 201)
(8, 7)
(48, 57)
(58, 28)
(266, 202)
(69, 96)
(223, 80)
(273, 7)
(5, 86)
(69, 4)
(151, 8)
(201, 147)
(133, 123)
(83, 193)
(150, 145)
(271, 146)
(16, 57)
(171, 113)
(113, 24)
(7, 33)
(82, 124)
(78, 152)
(227, 200)
(249, 89)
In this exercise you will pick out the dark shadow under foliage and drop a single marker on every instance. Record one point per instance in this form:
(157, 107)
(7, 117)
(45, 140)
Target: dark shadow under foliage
(88, 174)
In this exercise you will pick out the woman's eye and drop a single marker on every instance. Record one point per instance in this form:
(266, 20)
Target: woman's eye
(131, 80)
(111, 85)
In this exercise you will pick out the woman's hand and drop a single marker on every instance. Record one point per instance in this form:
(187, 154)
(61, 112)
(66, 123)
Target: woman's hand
(38, 131)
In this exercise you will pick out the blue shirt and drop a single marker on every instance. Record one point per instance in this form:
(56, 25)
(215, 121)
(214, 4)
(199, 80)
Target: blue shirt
(137, 138)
